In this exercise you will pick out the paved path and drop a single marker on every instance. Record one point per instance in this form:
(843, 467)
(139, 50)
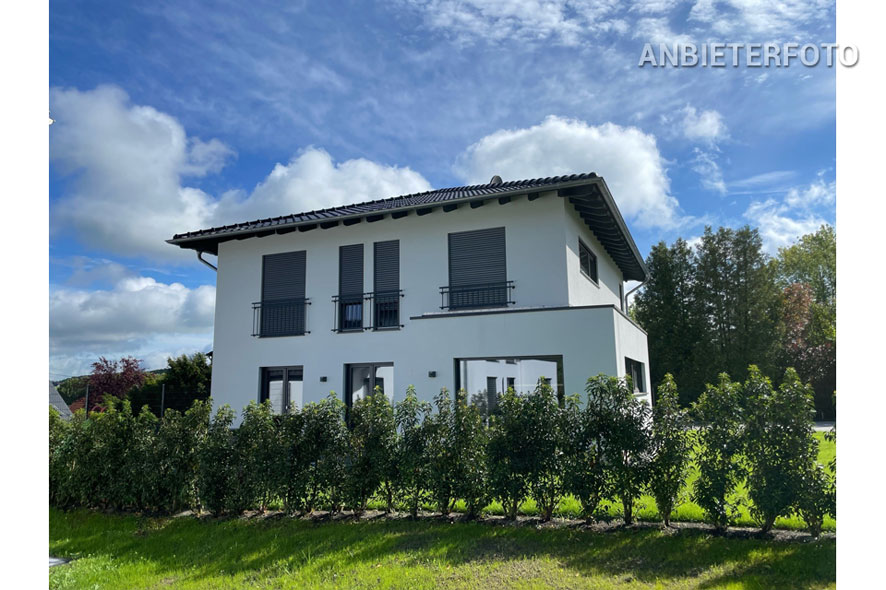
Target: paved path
(56, 561)
(823, 426)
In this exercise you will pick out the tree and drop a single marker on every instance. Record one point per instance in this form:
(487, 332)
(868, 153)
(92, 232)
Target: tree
(326, 448)
(472, 472)
(545, 445)
(780, 447)
(667, 308)
(114, 378)
(813, 261)
(187, 378)
(585, 474)
(721, 438)
(372, 443)
(215, 459)
(441, 453)
(671, 445)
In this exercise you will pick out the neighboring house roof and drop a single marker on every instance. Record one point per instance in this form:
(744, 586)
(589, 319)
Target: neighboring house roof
(55, 400)
(78, 404)
(587, 192)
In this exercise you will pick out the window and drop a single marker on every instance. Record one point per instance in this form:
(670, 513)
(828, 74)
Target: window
(587, 261)
(386, 285)
(634, 370)
(479, 376)
(282, 386)
(349, 303)
(362, 379)
(281, 311)
(477, 270)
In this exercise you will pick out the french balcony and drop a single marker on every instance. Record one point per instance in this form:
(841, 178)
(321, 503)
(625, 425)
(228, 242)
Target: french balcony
(377, 310)
(282, 317)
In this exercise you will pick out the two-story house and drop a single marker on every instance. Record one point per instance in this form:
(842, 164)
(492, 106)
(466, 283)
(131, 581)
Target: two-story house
(478, 288)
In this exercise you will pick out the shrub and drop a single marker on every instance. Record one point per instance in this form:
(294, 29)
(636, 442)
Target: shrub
(59, 431)
(215, 461)
(717, 455)
(545, 445)
(507, 452)
(781, 448)
(325, 447)
(626, 446)
(411, 450)
(178, 442)
(257, 459)
(442, 457)
(469, 436)
(140, 466)
(372, 442)
(585, 474)
(295, 474)
(671, 445)
(814, 500)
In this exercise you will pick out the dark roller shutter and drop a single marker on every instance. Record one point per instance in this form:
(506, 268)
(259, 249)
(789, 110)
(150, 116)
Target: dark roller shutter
(283, 294)
(477, 257)
(283, 276)
(350, 270)
(387, 266)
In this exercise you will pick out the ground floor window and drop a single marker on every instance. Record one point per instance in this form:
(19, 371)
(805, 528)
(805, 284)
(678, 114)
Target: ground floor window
(362, 379)
(282, 386)
(634, 370)
(485, 379)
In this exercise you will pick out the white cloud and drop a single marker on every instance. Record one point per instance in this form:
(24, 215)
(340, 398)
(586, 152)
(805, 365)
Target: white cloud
(657, 30)
(761, 17)
(137, 316)
(128, 163)
(705, 126)
(706, 166)
(781, 223)
(564, 21)
(311, 180)
(655, 6)
(626, 157)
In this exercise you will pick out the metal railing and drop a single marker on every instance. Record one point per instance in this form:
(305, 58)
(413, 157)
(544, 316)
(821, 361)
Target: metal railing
(477, 296)
(350, 311)
(283, 317)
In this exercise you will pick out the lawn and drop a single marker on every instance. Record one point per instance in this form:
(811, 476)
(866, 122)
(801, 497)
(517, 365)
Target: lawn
(114, 551)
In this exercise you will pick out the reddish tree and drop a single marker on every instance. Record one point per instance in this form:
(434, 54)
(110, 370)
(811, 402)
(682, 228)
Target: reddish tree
(114, 378)
(807, 344)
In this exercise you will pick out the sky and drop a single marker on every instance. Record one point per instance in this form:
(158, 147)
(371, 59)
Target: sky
(175, 116)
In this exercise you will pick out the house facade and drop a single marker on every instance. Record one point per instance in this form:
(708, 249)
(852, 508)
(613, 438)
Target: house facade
(478, 288)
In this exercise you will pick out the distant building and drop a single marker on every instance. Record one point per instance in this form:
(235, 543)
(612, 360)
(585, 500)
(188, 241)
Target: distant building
(56, 401)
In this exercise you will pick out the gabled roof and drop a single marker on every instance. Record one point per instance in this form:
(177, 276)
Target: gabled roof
(587, 192)
(55, 400)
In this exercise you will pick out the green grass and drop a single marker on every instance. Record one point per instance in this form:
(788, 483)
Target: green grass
(114, 551)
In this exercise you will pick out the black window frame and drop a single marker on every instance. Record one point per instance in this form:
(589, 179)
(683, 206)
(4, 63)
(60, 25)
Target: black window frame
(263, 390)
(592, 272)
(349, 390)
(560, 387)
(637, 372)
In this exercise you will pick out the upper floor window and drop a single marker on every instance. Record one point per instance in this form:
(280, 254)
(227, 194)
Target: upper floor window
(281, 311)
(587, 261)
(477, 270)
(386, 285)
(350, 288)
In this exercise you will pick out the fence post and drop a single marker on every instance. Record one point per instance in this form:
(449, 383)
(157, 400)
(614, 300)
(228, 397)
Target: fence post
(162, 398)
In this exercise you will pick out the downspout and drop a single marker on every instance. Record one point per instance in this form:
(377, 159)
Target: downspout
(206, 262)
(628, 294)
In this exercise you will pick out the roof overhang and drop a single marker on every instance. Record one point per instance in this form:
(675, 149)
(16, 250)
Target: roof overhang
(590, 197)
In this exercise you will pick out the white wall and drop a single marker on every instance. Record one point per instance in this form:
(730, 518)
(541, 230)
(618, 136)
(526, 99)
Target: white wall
(535, 262)
(582, 290)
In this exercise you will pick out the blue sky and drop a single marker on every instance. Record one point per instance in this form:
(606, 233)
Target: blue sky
(179, 115)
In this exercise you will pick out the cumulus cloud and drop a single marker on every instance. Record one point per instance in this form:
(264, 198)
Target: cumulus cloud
(705, 126)
(782, 222)
(138, 314)
(626, 157)
(129, 166)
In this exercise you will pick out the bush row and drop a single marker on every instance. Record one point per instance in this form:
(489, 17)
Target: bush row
(612, 447)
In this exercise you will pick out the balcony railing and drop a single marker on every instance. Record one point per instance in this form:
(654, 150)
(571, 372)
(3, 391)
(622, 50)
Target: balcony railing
(477, 296)
(283, 317)
(350, 313)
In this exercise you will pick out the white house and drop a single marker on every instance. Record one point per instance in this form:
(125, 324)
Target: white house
(479, 288)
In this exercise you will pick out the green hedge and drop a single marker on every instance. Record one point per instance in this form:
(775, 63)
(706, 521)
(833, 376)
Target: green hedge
(459, 455)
